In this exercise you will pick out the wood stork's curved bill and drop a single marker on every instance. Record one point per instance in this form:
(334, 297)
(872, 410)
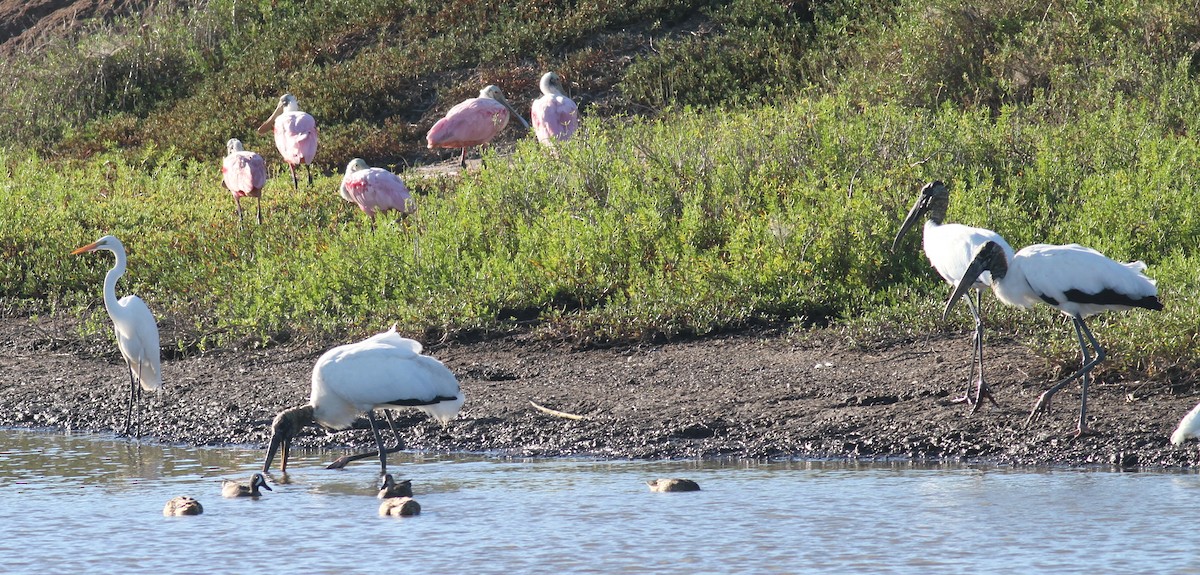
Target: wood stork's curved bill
(915, 213)
(990, 258)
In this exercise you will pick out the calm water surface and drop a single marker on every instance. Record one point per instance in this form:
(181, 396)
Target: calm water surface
(89, 504)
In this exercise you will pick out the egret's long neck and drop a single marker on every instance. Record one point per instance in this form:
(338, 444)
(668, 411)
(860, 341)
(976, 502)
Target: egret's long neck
(110, 282)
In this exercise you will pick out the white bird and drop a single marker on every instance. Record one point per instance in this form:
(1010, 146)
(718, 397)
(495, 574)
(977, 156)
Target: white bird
(1189, 426)
(950, 249)
(384, 371)
(554, 116)
(137, 332)
(1078, 281)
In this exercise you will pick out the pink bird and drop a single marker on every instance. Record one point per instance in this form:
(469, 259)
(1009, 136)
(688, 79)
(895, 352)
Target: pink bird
(473, 122)
(295, 135)
(555, 116)
(244, 174)
(375, 190)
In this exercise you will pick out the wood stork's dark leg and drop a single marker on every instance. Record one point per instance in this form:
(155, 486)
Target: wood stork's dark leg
(392, 424)
(1086, 339)
(378, 442)
(980, 385)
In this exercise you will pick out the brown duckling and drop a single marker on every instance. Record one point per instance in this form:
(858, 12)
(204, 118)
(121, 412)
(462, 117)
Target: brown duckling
(399, 507)
(231, 488)
(669, 485)
(389, 487)
(182, 505)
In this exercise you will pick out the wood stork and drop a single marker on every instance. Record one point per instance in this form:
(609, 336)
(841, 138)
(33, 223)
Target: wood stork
(375, 190)
(384, 371)
(231, 488)
(950, 248)
(1078, 281)
(136, 329)
(473, 122)
(295, 136)
(555, 116)
(182, 505)
(391, 488)
(244, 174)
(1189, 426)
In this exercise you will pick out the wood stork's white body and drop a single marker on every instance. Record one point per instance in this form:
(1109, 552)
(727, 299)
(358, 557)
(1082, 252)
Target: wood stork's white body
(384, 371)
(1079, 282)
(950, 249)
(554, 115)
(134, 324)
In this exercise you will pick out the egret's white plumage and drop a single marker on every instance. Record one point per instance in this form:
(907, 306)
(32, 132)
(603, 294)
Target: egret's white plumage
(135, 327)
(1077, 281)
(1189, 426)
(384, 371)
(950, 249)
(554, 115)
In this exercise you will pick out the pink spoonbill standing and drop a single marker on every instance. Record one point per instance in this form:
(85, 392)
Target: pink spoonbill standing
(950, 249)
(375, 190)
(384, 371)
(473, 122)
(555, 116)
(137, 332)
(1077, 281)
(295, 136)
(244, 174)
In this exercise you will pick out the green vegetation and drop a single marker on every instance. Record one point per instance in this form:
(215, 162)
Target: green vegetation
(741, 163)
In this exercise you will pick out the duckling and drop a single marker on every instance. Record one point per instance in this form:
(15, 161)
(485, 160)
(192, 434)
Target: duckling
(390, 488)
(667, 485)
(399, 507)
(182, 505)
(231, 488)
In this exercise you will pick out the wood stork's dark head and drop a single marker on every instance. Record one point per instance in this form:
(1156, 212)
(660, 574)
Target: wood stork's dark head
(932, 202)
(287, 424)
(989, 258)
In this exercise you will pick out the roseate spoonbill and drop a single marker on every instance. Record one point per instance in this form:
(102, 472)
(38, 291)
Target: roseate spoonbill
(555, 117)
(390, 488)
(137, 332)
(375, 190)
(295, 136)
(1077, 281)
(182, 505)
(672, 485)
(950, 249)
(231, 488)
(384, 371)
(244, 174)
(399, 507)
(473, 122)
(1189, 426)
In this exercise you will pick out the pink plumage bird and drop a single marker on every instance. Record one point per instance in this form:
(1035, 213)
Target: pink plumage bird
(295, 135)
(375, 190)
(555, 116)
(473, 122)
(244, 174)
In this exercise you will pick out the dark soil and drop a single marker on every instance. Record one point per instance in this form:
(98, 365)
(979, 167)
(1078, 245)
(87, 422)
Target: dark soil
(748, 395)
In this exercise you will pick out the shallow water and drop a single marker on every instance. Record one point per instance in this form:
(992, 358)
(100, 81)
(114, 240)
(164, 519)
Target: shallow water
(72, 504)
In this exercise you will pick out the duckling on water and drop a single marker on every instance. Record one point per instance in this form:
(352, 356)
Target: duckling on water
(389, 487)
(667, 485)
(231, 488)
(182, 505)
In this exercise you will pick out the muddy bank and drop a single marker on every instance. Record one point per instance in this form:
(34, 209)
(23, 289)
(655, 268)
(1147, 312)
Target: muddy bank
(757, 395)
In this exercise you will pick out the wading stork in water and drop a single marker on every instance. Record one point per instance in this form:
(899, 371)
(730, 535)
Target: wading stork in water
(1077, 281)
(375, 190)
(384, 371)
(137, 332)
(473, 122)
(950, 249)
(295, 136)
(244, 174)
(555, 117)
